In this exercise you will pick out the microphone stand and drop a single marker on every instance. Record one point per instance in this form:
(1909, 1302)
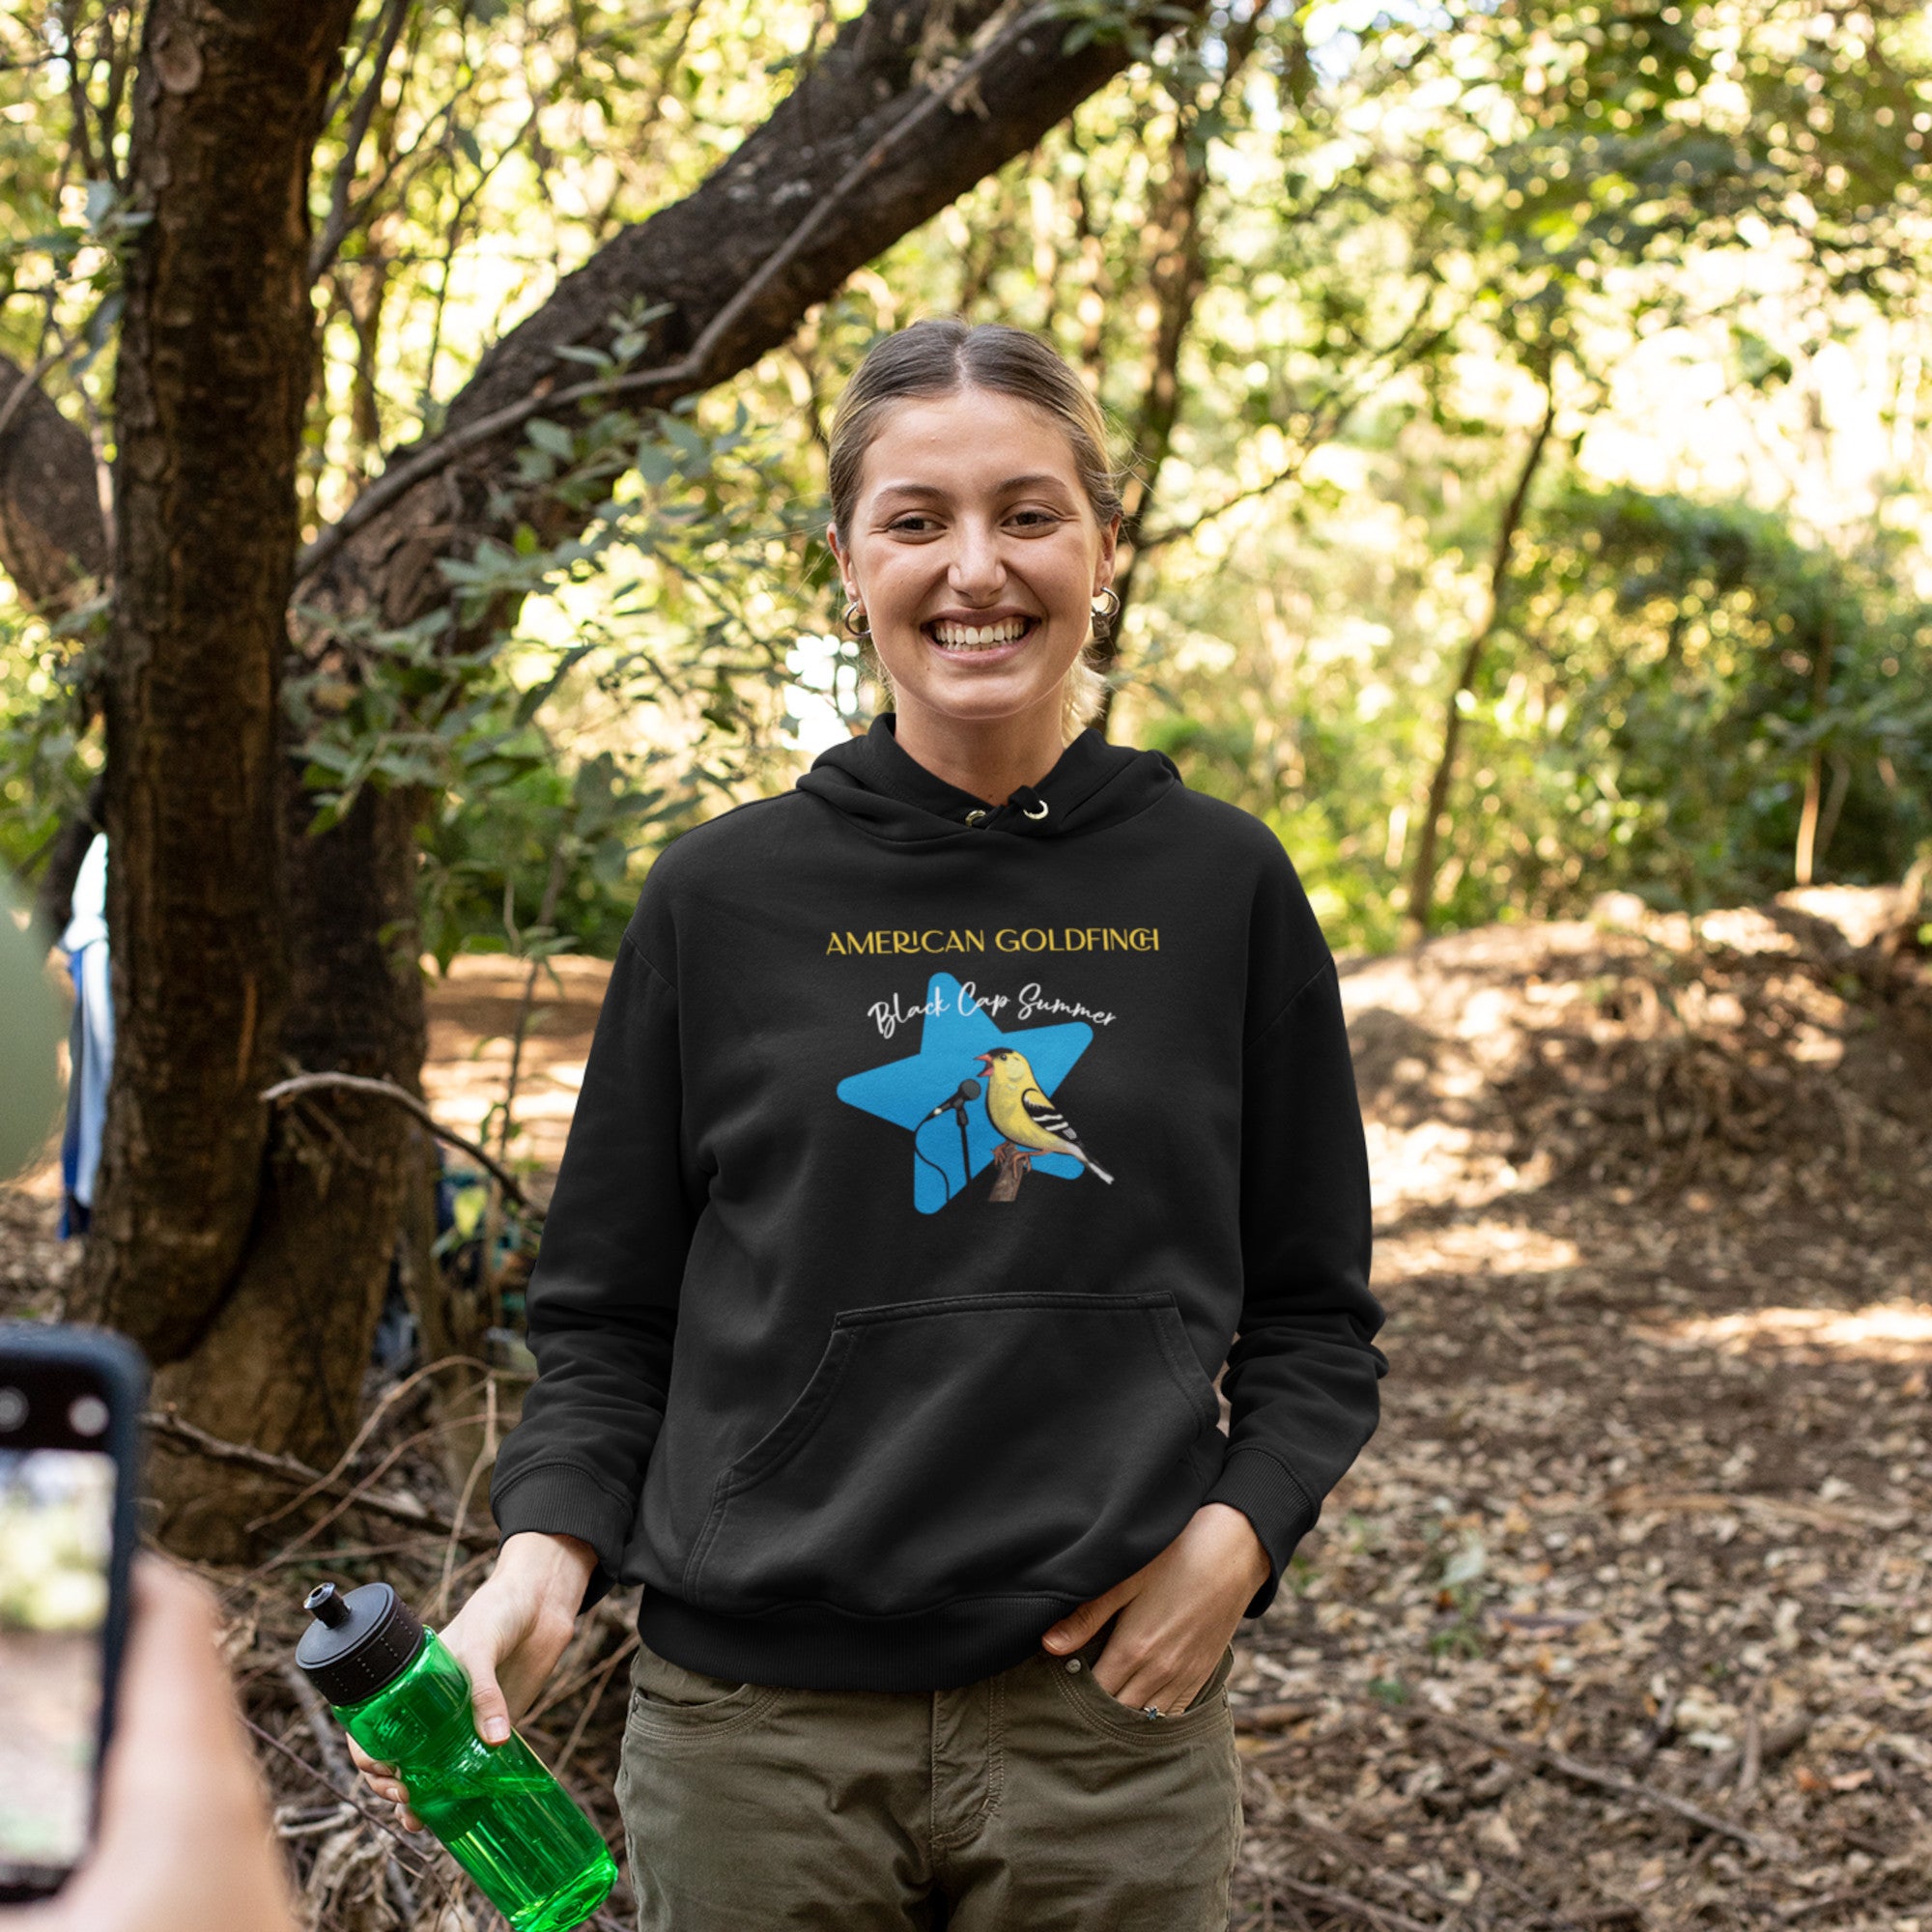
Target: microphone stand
(955, 1103)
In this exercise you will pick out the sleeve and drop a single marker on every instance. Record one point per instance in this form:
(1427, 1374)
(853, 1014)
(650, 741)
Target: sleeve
(602, 1297)
(1302, 1375)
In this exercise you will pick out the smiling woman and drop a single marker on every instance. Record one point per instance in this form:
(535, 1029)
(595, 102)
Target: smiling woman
(974, 516)
(952, 1121)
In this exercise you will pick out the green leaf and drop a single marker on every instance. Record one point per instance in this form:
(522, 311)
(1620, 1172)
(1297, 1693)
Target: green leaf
(551, 438)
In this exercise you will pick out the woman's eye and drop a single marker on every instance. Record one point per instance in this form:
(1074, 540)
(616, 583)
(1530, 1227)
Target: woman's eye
(911, 525)
(1036, 517)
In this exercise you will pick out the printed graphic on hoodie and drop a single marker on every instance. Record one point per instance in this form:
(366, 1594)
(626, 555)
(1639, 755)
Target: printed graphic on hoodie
(974, 1096)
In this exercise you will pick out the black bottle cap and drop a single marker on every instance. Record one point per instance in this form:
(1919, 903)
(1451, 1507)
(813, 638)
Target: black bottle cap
(360, 1643)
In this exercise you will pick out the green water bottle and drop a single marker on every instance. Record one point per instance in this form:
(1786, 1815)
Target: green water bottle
(504, 1819)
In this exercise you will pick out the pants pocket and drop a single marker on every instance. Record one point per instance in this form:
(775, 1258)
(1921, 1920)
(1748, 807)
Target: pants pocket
(1100, 1708)
(1044, 1443)
(670, 1702)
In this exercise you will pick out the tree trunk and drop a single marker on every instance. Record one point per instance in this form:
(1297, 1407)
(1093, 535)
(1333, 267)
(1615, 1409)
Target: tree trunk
(1809, 854)
(1422, 878)
(212, 379)
(1177, 273)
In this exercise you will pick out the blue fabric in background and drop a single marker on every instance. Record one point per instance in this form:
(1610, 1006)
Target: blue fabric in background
(90, 1039)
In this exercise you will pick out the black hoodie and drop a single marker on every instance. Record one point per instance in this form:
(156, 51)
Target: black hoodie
(929, 1158)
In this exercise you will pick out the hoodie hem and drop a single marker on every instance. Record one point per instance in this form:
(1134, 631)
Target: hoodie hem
(812, 1646)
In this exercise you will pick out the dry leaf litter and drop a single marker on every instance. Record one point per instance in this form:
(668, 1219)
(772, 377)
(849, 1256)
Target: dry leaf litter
(1621, 1620)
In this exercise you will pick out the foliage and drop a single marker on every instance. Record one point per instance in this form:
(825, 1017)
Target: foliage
(48, 757)
(1672, 654)
(1406, 233)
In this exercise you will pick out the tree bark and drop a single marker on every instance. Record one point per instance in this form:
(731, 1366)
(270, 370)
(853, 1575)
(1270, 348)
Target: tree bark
(212, 379)
(1422, 877)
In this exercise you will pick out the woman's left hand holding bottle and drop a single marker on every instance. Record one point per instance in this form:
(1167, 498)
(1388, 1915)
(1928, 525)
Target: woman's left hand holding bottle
(508, 1637)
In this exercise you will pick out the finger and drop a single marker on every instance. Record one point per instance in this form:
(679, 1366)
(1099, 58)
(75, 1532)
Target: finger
(490, 1707)
(361, 1759)
(409, 1819)
(1079, 1624)
(1186, 1703)
(481, 1644)
(1153, 1679)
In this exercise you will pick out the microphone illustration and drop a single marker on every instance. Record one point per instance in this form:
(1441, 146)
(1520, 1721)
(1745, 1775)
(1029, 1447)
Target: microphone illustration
(968, 1090)
(955, 1103)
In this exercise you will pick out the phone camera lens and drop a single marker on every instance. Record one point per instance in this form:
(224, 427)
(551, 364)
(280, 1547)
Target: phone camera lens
(13, 1408)
(87, 1415)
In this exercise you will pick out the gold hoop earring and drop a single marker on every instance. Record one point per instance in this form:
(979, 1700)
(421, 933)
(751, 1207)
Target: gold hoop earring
(1107, 605)
(854, 611)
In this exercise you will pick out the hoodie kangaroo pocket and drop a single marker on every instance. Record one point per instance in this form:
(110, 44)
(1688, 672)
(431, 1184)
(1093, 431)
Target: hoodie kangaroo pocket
(975, 1444)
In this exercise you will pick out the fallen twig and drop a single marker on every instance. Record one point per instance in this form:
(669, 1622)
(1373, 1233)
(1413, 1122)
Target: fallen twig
(1561, 1762)
(592, 1703)
(387, 1090)
(389, 1398)
(322, 1727)
(399, 1508)
(1363, 1857)
(1347, 1901)
(1275, 1716)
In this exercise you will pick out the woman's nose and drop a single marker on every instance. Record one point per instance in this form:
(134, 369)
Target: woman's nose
(977, 571)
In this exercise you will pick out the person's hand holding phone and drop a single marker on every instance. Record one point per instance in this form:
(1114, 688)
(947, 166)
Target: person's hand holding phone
(508, 1637)
(185, 1840)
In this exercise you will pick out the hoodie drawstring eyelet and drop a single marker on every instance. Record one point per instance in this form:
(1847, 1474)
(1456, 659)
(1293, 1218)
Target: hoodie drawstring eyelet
(1031, 814)
(978, 817)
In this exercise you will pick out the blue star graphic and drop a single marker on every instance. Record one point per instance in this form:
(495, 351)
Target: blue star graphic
(905, 1092)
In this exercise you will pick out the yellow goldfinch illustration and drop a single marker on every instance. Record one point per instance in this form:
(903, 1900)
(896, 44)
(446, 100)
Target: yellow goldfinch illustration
(1025, 1115)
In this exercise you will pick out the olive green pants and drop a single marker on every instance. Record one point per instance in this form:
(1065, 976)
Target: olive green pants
(1031, 1800)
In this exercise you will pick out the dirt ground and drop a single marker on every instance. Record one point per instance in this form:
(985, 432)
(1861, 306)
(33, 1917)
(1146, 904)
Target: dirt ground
(1621, 1620)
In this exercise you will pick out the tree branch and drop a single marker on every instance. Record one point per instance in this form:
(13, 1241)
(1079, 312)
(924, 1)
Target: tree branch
(322, 253)
(1422, 878)
(403, 1508)
(387, 1090)
(695, 369)
(869, 144)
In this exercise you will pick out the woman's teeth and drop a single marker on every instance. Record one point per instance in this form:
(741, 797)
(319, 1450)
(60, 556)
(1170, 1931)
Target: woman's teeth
(980, 637)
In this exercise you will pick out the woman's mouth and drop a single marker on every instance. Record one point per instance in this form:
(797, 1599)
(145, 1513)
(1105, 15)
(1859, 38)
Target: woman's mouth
(959, 639)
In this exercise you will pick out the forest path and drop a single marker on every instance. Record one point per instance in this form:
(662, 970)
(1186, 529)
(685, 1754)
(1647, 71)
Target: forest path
(1653, 1488)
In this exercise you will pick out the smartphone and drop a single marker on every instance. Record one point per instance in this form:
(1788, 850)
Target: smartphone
(70, 1402)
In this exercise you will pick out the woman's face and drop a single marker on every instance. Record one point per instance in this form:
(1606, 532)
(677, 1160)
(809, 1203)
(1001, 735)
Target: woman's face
(975, 555)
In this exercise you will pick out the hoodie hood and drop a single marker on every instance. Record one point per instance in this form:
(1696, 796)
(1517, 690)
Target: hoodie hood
(892, 796)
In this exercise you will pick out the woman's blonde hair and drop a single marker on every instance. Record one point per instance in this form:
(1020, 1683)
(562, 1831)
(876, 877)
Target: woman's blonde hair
(939, 356)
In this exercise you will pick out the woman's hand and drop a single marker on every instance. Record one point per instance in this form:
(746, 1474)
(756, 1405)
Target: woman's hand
(1178, 1612)
(508, 1637)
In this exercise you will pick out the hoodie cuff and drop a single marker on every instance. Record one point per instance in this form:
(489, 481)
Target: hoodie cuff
(563, 1501)
(1274, 1501)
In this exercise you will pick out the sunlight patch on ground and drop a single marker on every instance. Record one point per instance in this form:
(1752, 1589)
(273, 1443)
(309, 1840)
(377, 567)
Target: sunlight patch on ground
(472, 1015)
(1475, 1247)
(1894, 1331)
